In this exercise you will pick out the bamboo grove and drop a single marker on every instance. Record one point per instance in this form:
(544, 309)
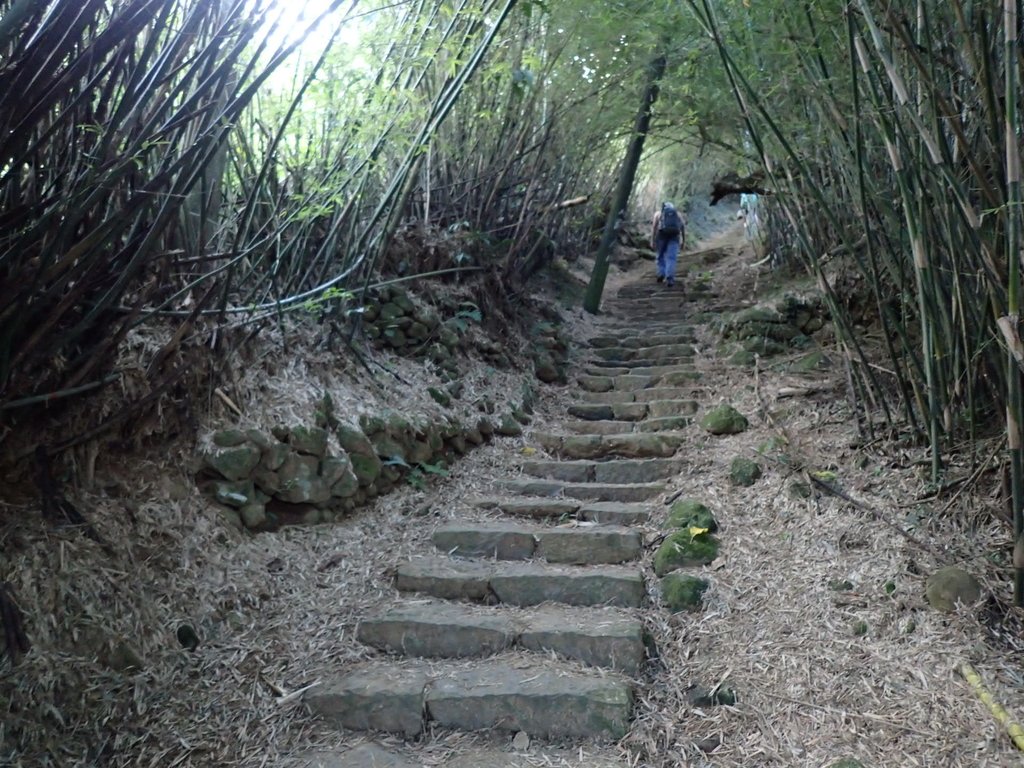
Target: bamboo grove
(197, 167)
(193, 167)
(891, 132)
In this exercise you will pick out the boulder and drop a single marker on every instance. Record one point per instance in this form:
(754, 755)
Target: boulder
(682, 592)
(683, 550)
(234, 463)
(724, 420)
(949, 586)
(339, 475)
(301, 482)
(744, 472)
(690, 513)
(309, 440)
(234, 493)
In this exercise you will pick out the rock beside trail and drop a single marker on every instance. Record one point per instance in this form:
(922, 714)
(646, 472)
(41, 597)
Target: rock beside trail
(690, 513)
(744, 472)
(684, 550)
(724, 420)
(683, 593)
(949, 586)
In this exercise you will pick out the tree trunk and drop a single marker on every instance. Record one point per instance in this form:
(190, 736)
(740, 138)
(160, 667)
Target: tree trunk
(617, 214)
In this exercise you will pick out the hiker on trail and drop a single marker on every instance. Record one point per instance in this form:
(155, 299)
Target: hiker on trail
(666, 239)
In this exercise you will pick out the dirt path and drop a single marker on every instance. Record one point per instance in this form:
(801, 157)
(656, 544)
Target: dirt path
(814, 642)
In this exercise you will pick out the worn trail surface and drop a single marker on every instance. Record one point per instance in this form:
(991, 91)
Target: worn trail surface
(528, 629)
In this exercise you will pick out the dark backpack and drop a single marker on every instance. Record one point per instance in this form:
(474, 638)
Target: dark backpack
(671, 225)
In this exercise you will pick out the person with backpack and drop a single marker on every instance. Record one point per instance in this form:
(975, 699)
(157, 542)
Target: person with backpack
(666, 239)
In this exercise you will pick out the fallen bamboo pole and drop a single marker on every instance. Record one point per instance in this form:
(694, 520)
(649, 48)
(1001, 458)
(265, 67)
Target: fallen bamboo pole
(1012, 727)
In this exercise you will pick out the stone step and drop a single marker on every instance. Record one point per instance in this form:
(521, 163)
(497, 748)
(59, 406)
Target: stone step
(545, 700)
(614, 513)
(659, 409)
(598, 637)
(613, 412)
(531, 508)
(612, 471)
(575, 545)
(620, 365)
(600, 427)
(655, 352)
(629, 446)
(658, 374)
(663, 424)
(588, 491)
(604, 512)
(598, 383)
(522, 583)
(371, 755)
(609, 398)
(664, 393)
(631, 341)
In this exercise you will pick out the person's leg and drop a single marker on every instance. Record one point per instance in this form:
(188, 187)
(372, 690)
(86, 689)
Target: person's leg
(662, 243)
(671, 254)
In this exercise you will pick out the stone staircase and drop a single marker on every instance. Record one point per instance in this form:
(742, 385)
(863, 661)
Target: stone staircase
(529, 621)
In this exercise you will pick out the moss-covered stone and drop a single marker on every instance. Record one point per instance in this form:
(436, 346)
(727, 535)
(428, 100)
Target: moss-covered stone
(229, 438)
(309, 440)
(949, 586)
(234, 493)
(743, 472)
(743, 358)
(274, 455)
(724, 420)
(253, 516)
(690, 513)
(719, 696)
(234, 463)
(681, 550)
(366, 468)
(509, 427)
(338, 473)
(440, 397)
(682, 592)
(811, 362)
(301, 481)
(799, 490)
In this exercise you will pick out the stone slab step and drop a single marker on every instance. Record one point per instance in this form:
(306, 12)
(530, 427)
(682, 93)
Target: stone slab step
(589, 545)
(595, 383)
(609, 397)
(598, 637)
(630, 446)
(604, 512)
(612, 471)
(661, 375)
(664, 424)
(612, 412)
(372, 755)
(659, 409)
(594, 491)
(543, 700)
(600, 427)
(522, 584)
(664, 393)
(614, 513)
(631, 341)
(618, 364)
(636, 353)
(531, 508)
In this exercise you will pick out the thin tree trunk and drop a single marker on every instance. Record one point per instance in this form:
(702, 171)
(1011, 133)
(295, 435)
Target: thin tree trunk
(592, 299)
